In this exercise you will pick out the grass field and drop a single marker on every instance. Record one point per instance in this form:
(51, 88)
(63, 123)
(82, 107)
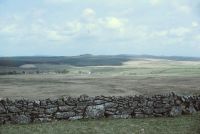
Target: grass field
(189, 124)
(144, 76)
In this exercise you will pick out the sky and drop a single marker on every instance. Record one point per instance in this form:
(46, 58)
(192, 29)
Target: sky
(99, 27)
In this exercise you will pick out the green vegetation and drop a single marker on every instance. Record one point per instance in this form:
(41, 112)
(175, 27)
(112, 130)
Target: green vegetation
(189, 124)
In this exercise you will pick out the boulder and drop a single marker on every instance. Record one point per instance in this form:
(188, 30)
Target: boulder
(65, 108)
(95, 111)
(21, 119)
(51, 110)
(176, 111)
(43, 103)
(139, 115)
(99, 102)
(60, 102)
(148, 110)
(83, 98)
(64, 115)
(189, 110)
(150, 103)
(36, 103)
(110, 105)
(13, 109)
(75, 118)
(2, 109)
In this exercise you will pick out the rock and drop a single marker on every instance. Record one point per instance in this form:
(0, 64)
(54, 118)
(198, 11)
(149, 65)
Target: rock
(2, 109)
(123, 116)
(76, 118)
(84, 97)
(79, 109)
(30, 105)
(95, 111)
(158, 104)
(197, 105)
(99, 102)
(53, 100)
(36, 103)
(84, 103)
(44, 116)
(165, 100)
(21, 119)
(51, 110)
(110, 105)
(139, 115)
(43, 102)
(176, 111)
(160, 110)
(13, 109)
(150, 103)
(2, 120)
(109, 113)
(189, 110)
(64, 115)
(178, 102)
(37, 110)
(65, 108)
(157, 115)
(60, 102)
(41, 120)
(122, 111)
(148, 110)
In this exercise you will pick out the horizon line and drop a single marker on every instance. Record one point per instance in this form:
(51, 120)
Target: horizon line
(101, 55)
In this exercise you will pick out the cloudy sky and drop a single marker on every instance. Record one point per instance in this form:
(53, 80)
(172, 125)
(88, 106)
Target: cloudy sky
(73, 27)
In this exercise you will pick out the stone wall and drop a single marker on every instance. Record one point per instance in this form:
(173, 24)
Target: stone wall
(69, 108)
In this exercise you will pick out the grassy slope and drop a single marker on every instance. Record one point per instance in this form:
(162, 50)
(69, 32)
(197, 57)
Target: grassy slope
(181, 125)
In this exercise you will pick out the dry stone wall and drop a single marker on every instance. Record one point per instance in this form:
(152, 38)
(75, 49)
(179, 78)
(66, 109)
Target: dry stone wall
(70, 108)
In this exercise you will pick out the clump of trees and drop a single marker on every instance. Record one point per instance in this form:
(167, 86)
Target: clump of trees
(9, 73)
(65, 71)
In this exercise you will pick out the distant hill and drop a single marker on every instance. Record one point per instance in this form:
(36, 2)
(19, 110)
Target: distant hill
(83, 60)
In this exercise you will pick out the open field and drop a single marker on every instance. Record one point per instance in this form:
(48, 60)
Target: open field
(180, 125)
(144, 76)
(44, 86)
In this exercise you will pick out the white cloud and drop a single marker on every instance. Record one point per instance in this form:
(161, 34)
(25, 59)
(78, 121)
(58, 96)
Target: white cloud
(155, 2)
(88, 23)
(98, 26)
(9, 29)
(197, 37)
(180, 31)
(72, 27)
(158, 34)
(195, 24)
(55, 36)
(89, 12)
(183, 8)
(113, 23)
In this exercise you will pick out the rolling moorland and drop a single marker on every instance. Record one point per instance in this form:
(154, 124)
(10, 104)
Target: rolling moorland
(44, 77)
